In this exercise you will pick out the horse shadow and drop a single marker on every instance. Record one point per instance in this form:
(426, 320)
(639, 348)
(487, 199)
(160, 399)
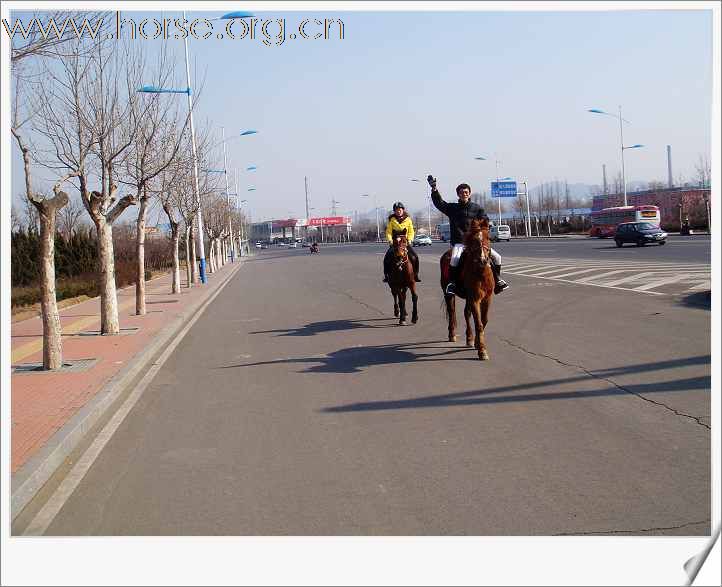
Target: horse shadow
(356, 359)
(314, 328)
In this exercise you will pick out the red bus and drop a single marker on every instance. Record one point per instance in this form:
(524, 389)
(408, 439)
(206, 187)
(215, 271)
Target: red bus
(605, 222)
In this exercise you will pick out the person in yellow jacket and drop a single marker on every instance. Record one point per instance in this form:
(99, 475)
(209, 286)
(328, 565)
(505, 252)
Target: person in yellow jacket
(398, 221)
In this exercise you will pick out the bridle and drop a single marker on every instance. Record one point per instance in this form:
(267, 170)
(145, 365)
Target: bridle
(401, 250)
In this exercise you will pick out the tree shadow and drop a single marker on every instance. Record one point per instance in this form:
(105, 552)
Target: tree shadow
(329, 326)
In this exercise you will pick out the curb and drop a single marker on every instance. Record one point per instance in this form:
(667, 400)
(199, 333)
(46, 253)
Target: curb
(33, 475)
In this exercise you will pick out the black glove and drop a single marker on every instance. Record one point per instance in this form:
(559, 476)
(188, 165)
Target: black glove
(432, 181)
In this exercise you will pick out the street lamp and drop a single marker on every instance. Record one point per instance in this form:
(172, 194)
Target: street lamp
(621, 142)
(496, 162)
(188, 91)
(378, 230)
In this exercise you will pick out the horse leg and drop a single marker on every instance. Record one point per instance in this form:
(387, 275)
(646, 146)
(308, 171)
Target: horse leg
(451, 316)
(467, 315)
(402, 306)
(396, 303)
(484, 318)
(414, 300)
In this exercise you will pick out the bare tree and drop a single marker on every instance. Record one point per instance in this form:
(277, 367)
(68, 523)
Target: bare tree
(155, 147)
(47, 34)
(703, 171)
(90, 117)
(69, 218)
(16, 222)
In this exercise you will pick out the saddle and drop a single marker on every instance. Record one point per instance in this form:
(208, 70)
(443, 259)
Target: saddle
(446, 276)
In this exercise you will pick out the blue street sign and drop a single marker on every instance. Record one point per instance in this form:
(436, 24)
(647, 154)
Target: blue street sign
(503, 189)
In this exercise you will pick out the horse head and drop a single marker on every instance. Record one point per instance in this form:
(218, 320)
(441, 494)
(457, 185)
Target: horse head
(476, 240)
(400, 243)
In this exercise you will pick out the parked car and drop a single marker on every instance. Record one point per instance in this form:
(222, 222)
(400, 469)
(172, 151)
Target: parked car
(500, 233)
(639, 233)
(422, 240)
(293, 245)
(259, 244)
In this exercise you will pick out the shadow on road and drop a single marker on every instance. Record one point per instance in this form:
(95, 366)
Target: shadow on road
(508, 393)
(700, 299)
(330, 326)
(355, 359)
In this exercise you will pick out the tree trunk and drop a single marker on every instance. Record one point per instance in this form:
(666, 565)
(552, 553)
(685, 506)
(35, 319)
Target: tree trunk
(176, 287)
(106, 277)
(188, 256)
(140, 257)
(52, 333)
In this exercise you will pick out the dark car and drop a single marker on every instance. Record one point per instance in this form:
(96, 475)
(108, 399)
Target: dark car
(639, 233)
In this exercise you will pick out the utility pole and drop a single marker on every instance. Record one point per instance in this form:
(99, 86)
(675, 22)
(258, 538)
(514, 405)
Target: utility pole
(604, 179)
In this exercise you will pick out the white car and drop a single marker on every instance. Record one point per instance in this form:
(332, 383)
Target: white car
(500, 233)
(422, 240)
(293, 245)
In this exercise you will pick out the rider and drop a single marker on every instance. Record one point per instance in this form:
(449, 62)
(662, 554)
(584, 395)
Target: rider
(460, 215)
(399, 221)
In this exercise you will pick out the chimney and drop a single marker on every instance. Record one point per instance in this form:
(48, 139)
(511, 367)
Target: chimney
(669, 167)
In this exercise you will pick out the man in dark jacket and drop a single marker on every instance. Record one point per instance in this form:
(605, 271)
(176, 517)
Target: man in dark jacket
(460, 216)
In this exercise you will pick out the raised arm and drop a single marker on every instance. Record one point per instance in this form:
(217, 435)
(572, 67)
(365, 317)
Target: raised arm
(389, 235)
(436, 198)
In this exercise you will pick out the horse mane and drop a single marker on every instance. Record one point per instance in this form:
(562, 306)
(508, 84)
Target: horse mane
(471, 238)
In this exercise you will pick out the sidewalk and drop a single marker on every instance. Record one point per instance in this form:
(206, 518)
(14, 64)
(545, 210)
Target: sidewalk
(51, 411)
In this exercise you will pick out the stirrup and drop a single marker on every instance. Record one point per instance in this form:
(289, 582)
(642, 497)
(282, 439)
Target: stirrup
(416, 279)
(450, 289)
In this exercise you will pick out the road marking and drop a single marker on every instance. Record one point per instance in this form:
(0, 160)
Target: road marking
(600, 275)
(660, 282)
(635, 277)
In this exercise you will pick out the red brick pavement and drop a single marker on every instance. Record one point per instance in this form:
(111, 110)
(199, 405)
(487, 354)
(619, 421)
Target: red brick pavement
(42, 402)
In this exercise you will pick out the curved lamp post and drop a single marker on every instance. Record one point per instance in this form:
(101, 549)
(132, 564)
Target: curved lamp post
(621, 143)
(376, 209)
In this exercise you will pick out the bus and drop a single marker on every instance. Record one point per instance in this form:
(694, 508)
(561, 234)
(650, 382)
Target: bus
(605, 221)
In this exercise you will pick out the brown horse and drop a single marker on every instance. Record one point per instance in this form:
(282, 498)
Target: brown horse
(401, 278)
(477, 285)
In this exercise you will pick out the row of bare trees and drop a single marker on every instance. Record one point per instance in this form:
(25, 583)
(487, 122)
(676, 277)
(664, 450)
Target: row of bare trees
(78, 115)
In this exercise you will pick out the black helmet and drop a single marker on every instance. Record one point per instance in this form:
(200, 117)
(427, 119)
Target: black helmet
(399, 205)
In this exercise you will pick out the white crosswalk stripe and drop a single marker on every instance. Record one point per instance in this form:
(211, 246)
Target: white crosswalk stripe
(648, 277)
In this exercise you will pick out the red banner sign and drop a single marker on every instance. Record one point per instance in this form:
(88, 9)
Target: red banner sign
(329, 221)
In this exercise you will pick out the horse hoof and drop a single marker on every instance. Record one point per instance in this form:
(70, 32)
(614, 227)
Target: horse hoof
(452, 339)
(396, 313)
(414, 320)
(402, 322)
(469, 344)
(483, 356)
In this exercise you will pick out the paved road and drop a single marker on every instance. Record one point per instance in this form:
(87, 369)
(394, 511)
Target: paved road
(296, 406)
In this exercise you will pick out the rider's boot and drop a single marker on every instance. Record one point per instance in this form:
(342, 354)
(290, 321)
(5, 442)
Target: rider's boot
(385, 279)
(451, 287)
(499, 284)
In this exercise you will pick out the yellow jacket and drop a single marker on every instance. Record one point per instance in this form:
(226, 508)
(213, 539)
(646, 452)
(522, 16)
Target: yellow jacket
(394, 224)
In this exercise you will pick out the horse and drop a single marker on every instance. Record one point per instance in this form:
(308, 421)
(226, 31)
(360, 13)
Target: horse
(477, 281)
(401, 277)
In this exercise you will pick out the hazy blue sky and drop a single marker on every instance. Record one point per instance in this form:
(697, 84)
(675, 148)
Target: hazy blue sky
(406, 94)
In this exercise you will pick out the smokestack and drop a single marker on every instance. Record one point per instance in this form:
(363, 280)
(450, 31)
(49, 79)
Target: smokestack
(669, 167)
(604, 177)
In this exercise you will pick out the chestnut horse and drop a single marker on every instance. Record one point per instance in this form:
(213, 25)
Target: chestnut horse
(401, 278)
(475, 282)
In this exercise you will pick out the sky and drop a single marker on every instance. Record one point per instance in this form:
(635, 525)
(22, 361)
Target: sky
(405, 94)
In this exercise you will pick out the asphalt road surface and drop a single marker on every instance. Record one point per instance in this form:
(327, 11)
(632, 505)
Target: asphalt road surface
(297, 406)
